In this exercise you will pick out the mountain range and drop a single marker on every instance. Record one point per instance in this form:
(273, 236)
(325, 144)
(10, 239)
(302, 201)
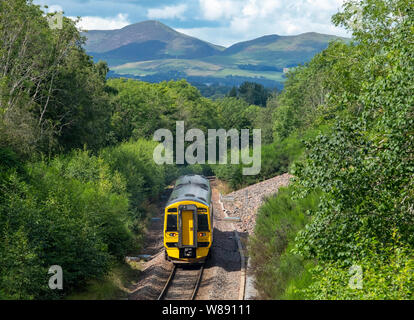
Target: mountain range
(153, 52)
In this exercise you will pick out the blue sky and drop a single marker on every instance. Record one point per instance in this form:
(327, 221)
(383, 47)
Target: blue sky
(223, 22)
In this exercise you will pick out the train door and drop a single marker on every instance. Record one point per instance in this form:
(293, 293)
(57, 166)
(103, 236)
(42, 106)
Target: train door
(188, 231)
(187, 218)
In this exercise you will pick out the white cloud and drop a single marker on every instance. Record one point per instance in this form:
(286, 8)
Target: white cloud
(168, 12)
(54, 8)
(218, 9)
(249, 19)
(98, 23)
(220, 36)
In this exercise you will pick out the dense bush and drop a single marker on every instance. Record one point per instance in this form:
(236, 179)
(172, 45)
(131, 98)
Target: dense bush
(78, 211)
(365, 165)
(56, 221)
(134, 160)
(380, 272)
(276, 268)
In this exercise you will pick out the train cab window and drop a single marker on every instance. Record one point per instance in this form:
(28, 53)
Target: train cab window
(203, 222)
(202, 186)
(172, 222)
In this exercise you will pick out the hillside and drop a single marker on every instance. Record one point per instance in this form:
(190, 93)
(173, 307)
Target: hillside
(144, 41)
(153, 52)
(277, 51)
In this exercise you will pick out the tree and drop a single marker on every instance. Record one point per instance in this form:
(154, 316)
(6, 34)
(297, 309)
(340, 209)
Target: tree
(233, 92)
(50, 90)
(141, 108)
(309, 89)
(254, 93)
(365, 166)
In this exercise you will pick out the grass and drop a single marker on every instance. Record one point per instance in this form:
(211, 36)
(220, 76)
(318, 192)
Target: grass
(279, 272)
(192, 68)
(114, 286)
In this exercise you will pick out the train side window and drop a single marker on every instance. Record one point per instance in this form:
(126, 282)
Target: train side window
(171, 222)
(203, 222)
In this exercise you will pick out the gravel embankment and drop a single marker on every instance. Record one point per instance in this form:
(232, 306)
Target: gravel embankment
(244, 203)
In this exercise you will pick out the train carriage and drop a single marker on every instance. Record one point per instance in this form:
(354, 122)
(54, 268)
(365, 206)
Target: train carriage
(188, 221)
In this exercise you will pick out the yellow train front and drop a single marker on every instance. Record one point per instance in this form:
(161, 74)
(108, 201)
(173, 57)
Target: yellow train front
(188, 221)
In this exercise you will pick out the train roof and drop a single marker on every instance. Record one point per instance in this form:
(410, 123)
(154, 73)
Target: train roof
(191, 188)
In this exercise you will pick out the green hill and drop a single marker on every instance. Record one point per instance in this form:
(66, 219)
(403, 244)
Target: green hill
(154, 52)
(140, 41)
(277, 51)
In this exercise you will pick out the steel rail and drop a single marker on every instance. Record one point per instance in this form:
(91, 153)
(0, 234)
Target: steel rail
(171, 277)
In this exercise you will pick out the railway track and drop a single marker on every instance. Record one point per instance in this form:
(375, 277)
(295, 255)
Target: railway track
(183, 283)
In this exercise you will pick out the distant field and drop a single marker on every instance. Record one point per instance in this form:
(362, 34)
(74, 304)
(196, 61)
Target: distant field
(191, 68)
(148, 67)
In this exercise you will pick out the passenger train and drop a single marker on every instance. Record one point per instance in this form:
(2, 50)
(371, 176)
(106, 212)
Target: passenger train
(188, 221)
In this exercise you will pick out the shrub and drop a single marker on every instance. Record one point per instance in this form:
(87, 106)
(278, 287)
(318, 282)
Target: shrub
(276, 268)
(387, 273)
(134, 160)
(72, 212)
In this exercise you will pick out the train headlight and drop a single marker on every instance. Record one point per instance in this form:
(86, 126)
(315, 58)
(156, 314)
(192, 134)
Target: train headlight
(202, 234)
(172, 234)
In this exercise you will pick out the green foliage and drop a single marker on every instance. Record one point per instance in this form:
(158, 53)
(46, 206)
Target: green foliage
(365, 166)
(233, 113)
(113, 286)
(233, 92)
(56, 230)
(161, 105)
(277, 158)
(80, 106)
(212, 91)
(387, 274)
(253, 93)
(278, 271)
(9, 161)
(134, 160)
(201, 169)
(362, 163)
(52, 96)
(20, 267)
(77, 211)
(309, 89)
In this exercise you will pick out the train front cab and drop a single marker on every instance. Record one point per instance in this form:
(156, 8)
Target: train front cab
(187, 232)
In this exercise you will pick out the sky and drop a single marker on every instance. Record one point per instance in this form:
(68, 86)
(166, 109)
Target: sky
(222, 22)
